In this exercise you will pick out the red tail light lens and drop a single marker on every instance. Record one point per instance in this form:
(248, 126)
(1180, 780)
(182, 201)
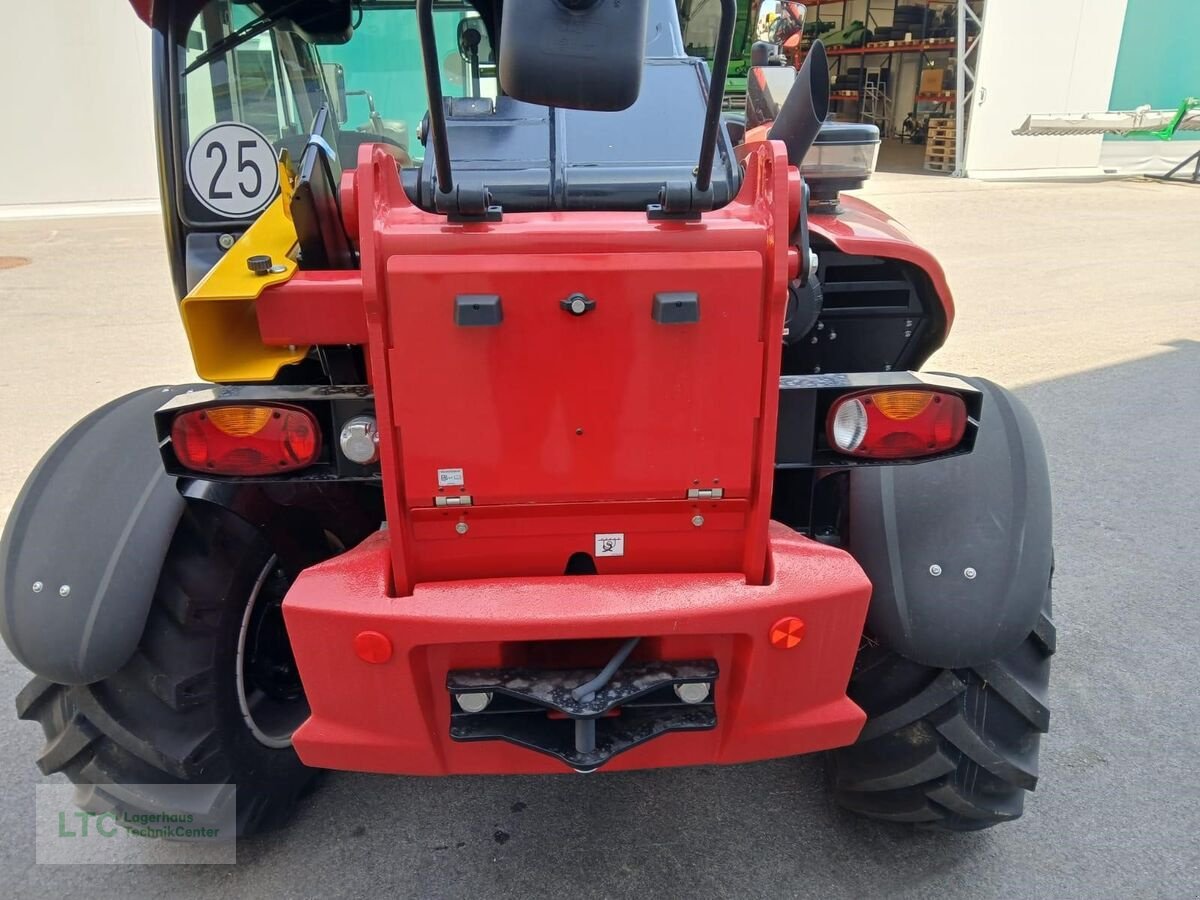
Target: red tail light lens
(246, 440)
(896, 424)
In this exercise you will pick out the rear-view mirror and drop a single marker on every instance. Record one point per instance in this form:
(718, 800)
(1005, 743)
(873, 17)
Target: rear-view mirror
(573, 54)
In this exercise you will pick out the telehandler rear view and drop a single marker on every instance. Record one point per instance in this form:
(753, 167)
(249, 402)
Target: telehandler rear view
(551, 423)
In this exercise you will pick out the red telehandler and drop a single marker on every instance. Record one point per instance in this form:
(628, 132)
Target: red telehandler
(551, 422)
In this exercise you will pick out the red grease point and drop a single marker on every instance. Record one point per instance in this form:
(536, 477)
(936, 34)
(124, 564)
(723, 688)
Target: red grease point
(787, 633)
(372, 647)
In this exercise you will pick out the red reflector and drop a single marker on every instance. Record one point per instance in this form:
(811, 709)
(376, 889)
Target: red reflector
(896, 424)
(246, 440)
(787, 633)
(372, 647)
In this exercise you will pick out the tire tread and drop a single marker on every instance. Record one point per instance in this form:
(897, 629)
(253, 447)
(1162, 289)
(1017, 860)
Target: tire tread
(960, 753)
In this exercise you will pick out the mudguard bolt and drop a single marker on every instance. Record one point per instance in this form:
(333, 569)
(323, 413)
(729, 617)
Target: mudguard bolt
(969, 573)
(935, 570)
(37, 587)
(461, 527)
(697, 521)
(64, 591)
(225, 241)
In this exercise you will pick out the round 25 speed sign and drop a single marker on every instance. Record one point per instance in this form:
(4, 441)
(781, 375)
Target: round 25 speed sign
(231, 169)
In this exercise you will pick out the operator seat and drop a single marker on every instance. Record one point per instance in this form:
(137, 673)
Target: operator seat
(536, 158)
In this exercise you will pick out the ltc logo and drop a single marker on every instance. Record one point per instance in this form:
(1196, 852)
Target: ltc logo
(610, 545)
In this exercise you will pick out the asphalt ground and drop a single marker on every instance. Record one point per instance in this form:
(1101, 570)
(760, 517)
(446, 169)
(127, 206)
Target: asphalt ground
(1082, 297)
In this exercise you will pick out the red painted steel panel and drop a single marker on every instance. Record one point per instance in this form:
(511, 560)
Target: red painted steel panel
(313, 308)
(539, 539)
(511, 398)
(551, 407)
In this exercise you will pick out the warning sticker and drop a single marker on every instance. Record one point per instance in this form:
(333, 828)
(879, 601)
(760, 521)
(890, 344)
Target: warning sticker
(450, 478)
(610, 545)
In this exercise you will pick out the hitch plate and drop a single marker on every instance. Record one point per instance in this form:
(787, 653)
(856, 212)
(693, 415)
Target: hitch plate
(638, 704)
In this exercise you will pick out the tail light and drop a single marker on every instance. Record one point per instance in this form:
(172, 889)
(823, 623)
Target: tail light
(896, 424)
(246, 440)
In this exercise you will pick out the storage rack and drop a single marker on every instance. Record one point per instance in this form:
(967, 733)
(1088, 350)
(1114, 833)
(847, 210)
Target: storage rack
(962, 48)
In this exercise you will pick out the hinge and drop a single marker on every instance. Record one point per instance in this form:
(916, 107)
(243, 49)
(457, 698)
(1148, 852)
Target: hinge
(705, 493)
(460, 500)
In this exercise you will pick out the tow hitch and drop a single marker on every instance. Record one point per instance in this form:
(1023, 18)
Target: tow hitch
(584, 717)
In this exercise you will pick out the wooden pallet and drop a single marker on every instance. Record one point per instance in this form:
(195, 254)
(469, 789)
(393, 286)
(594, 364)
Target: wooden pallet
(941, 122)
(934, 165)
(941, 133)
(940, 142)
(939, 153)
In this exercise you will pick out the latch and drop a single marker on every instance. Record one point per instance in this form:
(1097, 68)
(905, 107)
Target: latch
(460, 500)
(705, 493)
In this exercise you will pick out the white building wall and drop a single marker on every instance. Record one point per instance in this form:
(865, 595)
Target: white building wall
(1039, 57)
(78, 124)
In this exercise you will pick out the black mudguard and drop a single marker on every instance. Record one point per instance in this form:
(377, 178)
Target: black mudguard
(987, 513)
(83, 546)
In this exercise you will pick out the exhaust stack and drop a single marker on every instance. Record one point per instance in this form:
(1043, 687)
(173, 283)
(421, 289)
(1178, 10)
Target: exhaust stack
(806, 106)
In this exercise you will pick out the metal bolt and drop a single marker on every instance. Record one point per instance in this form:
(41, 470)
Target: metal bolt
(816, 370)
(461, 527)
(814, 340)
(935, 570)
(692, 691)
(37, 587)
(697, 521)
(969, 573)
(473, 702)
(225, 241)
(278, 269)
(833, 335)
(260, 264)
(64, 591)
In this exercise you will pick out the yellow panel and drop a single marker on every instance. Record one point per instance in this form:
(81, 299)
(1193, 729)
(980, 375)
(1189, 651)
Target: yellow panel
(219, 316)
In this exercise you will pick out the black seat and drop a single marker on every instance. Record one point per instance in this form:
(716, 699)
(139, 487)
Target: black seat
(535, 158)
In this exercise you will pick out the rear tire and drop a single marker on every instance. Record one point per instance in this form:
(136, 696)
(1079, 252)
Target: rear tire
(951, 749)
(180, 711)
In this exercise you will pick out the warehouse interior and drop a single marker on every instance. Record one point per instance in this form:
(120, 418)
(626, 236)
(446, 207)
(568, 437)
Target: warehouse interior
(948, 81)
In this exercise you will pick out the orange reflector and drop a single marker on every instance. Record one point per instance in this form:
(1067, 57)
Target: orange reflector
(240, 421)
(901, 405)
(372, 647)
(787, 633)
